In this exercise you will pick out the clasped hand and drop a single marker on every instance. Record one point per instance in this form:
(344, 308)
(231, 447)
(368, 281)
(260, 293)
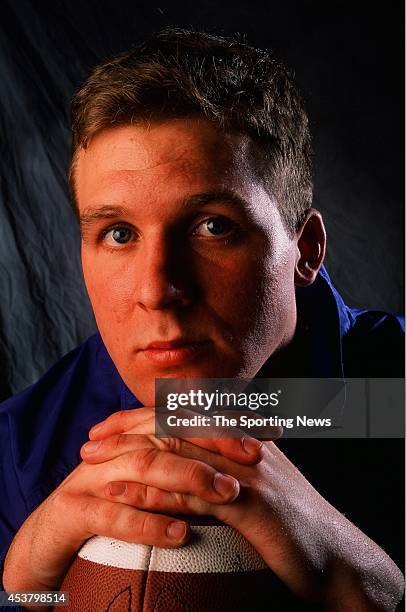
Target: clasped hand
(131, 484)
(247, 484)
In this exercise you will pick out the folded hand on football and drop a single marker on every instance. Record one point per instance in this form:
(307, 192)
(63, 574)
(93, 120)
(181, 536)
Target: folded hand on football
(312, 547)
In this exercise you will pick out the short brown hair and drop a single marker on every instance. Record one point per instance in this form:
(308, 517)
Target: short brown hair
(180, 73)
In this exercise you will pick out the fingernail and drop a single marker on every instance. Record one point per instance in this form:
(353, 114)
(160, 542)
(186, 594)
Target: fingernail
(251, 445)
(176, 531)
(118, 488)
(91, 447)
(225, 485)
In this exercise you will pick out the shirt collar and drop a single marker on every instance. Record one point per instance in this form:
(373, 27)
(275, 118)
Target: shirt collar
(323, 321)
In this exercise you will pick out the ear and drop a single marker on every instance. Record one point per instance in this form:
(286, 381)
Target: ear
(311, 248)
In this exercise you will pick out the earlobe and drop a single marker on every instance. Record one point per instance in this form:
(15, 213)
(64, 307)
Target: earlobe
(311, 249)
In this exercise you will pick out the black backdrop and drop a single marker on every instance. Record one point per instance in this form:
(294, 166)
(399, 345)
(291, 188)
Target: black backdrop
(348, 59)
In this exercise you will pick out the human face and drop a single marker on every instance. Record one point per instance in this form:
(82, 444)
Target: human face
(186, 260)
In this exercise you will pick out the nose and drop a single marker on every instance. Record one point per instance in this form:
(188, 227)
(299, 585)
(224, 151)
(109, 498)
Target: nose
(163, 275)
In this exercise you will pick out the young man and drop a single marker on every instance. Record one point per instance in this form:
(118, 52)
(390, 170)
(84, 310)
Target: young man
(202, 257)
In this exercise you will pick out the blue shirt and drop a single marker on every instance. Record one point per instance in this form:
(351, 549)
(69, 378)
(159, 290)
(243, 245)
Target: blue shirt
(43, 428)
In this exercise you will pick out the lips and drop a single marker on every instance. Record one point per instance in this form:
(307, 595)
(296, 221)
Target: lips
(174, 352)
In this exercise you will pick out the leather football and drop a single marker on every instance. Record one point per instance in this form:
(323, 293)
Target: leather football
(217, 570)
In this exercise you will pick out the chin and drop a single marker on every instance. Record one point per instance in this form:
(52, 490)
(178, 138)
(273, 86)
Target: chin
(142, 384)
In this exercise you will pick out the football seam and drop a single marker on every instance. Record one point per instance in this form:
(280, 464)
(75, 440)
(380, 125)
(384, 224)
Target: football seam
(145, 579)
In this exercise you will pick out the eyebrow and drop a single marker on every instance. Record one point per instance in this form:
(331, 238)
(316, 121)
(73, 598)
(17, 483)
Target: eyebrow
(226, 196)
(92, 215)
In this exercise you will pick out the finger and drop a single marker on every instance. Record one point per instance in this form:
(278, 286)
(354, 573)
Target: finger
(139, 419)
(94, 516)
(171, 472)
(243, 449)
(101, 451)
(145, 497)
(98, 451)
(229, 440)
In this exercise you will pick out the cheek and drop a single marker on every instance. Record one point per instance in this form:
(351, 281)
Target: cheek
(257, 298)
(248, 283)
(111, 286)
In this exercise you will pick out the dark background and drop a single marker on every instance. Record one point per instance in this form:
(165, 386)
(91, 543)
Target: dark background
(348, 60)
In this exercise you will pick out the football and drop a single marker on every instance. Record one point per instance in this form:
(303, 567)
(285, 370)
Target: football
(217, 570)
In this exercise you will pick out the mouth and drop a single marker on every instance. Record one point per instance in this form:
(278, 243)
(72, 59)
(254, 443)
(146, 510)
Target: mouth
(174, 352)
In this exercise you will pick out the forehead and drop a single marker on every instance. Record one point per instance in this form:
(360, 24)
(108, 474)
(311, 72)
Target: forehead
(177, 152)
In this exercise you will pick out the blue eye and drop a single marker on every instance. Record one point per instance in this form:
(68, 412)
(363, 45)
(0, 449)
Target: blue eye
(215, 226)
(118, 236)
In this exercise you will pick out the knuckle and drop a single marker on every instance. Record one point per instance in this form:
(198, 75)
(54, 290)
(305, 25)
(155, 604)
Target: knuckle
(145, 526)
(181, 500)
(142, 440)
(97, 516)
(189, 450)
(196, 475)
(141, 525)
(143, 459)
(252, 489)
(152, 498)
(62, 501)
(174, 445)
(119, 441)
(140, 496)
(106, 513)
(102, 517)
(89, 515)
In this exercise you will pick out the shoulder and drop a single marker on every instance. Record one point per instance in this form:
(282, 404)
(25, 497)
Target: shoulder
(43, 427)
(374, 344)
(35, 419)
(34, 453)
(58, 378)
(76, 391)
